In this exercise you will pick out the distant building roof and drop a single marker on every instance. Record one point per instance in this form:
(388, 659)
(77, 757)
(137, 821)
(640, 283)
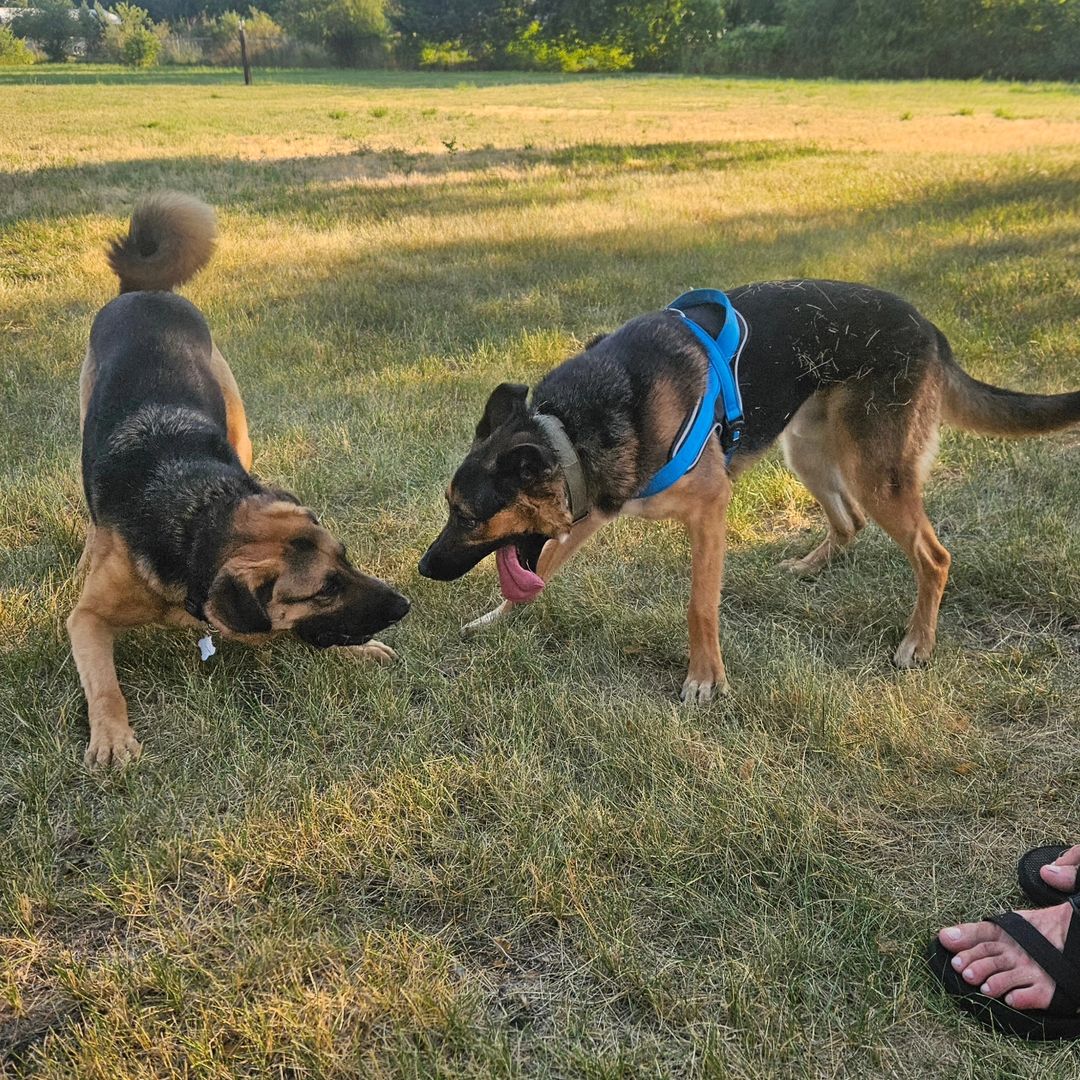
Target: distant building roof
(9, 13)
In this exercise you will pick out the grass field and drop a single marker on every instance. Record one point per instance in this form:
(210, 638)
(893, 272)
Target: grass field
(517, 855)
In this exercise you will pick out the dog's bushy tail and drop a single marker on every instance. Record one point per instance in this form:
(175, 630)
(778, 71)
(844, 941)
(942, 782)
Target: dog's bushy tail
(170, 239)
(990, 410)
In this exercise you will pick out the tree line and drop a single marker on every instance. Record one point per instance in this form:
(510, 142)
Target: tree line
(1015, 39)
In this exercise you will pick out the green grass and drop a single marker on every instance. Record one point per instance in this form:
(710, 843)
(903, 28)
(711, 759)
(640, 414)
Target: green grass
(517, 856)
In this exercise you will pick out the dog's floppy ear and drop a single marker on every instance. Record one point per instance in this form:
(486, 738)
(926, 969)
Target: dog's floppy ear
(281, 495)
(526, 462)
(506, 400)
(240, 609)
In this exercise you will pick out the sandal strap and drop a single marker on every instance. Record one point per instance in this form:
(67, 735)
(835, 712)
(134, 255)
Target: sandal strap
(1063, 967)
(1071, 950)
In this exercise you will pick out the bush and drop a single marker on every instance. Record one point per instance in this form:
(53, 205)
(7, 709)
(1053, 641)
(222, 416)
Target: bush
(531, 52)
(445, 56)
(135, 41)
(13, 51)
(140, 48)
(50, 25)
(217, 41)
(181, 48)
(356, 33)
(265, 38)
(750, 50)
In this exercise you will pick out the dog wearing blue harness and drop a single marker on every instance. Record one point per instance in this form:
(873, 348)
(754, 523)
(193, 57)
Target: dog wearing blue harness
(658, 418)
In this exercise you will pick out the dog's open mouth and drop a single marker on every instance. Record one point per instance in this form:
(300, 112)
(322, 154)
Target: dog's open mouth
(518, 580)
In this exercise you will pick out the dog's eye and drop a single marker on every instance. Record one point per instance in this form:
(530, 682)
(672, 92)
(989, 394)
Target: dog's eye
(464, 520)
(333, 587)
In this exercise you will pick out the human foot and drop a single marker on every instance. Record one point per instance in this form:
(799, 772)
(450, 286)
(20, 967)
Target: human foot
(990, 960)
(1062, 872)
(1048, 875)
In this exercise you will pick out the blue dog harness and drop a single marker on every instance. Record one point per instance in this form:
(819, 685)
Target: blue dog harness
(722, 382)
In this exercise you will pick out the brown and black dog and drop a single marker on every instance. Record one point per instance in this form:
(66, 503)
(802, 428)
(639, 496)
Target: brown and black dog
(854, 381)
(181, 532)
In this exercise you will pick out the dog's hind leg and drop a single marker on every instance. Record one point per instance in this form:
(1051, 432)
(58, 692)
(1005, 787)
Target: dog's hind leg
(812, 452)
(235, 417)
(903, 517)
(891, 491)
(556, 554)
(86, 558)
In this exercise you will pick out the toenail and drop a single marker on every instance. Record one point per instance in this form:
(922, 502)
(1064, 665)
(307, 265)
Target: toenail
(953, 933)
(985, 988)
(968, 974)
(1054, 869)
(957, 962)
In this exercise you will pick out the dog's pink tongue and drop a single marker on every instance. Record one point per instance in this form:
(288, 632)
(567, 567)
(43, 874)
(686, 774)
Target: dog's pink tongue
(518, 583)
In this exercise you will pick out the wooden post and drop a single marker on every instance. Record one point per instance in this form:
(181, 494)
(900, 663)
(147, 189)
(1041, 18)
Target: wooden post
(244, 56)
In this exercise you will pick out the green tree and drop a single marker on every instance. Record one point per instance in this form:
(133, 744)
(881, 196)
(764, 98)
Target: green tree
(483, 27)
(92, 23)
(13, 50)
(658, 34)
(352, 31)
(134, 41)
(50, 24)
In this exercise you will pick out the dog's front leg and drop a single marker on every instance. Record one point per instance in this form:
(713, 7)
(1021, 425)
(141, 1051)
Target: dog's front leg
(556, 554)
(111, 739)
(373, 651)
(708, 540)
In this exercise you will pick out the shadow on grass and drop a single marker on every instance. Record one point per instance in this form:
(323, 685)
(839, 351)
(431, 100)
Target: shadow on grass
(482, 297)
(383, 181)
(491, 289)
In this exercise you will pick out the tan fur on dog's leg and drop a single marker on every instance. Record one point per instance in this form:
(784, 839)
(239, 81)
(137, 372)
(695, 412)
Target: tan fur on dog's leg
(888, 474)
(812, 450)
(113, 598)
(371, 651)
(112, 742)
(235, 417)
(85, 559)
(708, 542)
(901, 514)
(557, 553)
(86, 384)
(907, 523)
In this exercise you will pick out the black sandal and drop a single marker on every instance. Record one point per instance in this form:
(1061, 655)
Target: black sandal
(1031, 882)
(1061, 1020)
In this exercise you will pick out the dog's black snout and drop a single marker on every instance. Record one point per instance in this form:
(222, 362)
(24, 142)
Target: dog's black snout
(399, 607)
(438, 562)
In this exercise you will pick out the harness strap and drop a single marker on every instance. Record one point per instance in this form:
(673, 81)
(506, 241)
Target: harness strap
(721, 385)
(576, 491)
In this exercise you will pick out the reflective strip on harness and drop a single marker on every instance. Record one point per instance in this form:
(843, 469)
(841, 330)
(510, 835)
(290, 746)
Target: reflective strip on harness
(721, 383)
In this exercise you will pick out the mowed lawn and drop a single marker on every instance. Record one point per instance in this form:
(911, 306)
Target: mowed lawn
(518, 855)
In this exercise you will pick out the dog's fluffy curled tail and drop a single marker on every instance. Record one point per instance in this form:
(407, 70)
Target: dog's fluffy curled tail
(990, 410)
(170, 239)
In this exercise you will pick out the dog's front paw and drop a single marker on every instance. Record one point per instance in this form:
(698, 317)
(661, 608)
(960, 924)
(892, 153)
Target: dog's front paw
(111, 744)
(804, 567)
(488, 619)
(372, 651)
(913, 651)
(700, 691)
